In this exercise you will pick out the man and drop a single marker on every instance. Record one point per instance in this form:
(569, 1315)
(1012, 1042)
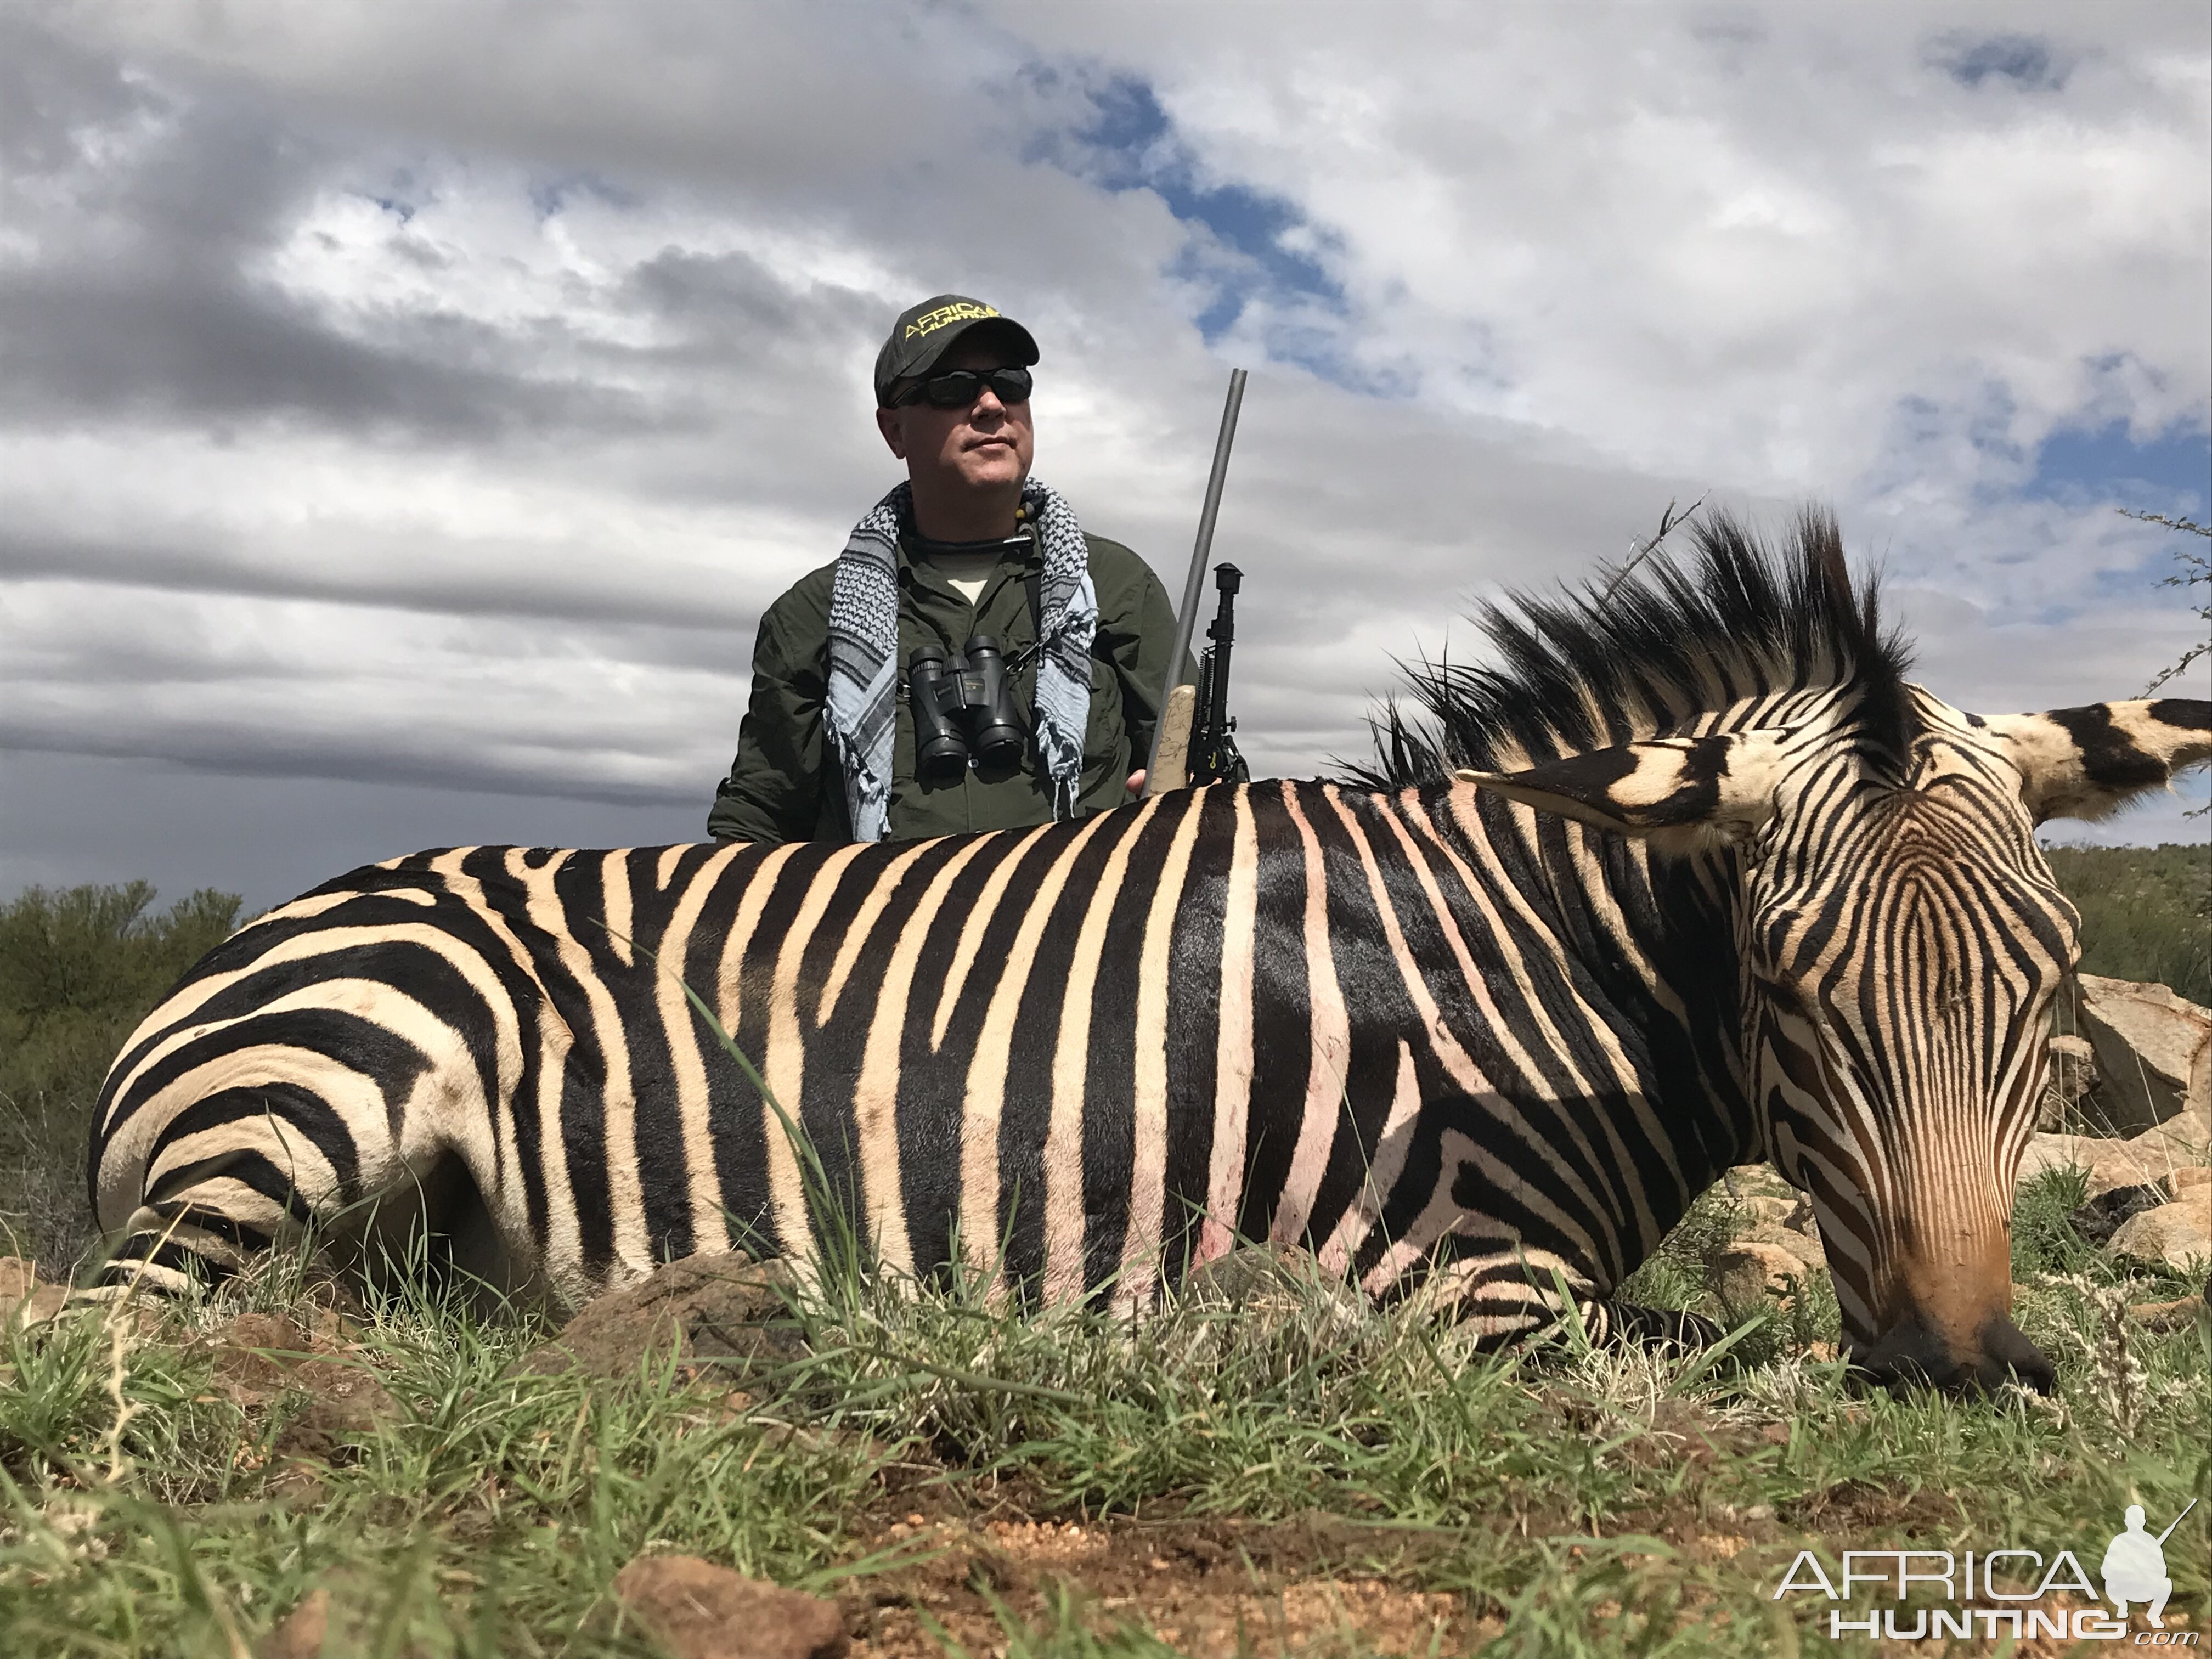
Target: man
(969, 545)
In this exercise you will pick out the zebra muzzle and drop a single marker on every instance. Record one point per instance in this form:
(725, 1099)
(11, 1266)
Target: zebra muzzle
(1918, 1353)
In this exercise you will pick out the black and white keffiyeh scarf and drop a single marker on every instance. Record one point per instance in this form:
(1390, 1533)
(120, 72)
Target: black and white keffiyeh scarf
(860, 702)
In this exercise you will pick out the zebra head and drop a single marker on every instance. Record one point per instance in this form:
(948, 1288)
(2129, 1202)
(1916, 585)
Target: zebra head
(1899, 938)
(1902, 939)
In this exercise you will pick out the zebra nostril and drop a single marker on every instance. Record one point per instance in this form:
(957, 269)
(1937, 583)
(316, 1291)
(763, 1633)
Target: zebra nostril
(2008, 1356)
(1913, 1354)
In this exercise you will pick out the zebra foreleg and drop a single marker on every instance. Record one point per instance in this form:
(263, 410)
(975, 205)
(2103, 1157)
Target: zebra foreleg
(1660, 1330)
(1512, 1301)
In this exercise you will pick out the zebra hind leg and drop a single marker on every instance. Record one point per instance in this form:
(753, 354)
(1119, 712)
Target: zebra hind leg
(202, 1226)
(232, 1179)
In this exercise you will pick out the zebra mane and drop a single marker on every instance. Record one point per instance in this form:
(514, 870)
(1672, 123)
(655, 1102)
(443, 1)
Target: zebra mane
(1591, 668)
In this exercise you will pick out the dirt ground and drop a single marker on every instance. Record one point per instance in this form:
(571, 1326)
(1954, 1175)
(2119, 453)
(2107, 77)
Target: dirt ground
(1206, 1586)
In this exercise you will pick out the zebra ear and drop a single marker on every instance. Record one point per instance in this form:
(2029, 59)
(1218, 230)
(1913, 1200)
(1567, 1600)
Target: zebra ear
(2087, 762)
(1664, 783)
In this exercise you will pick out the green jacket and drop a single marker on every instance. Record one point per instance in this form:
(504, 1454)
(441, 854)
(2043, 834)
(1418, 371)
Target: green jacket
(784, 784)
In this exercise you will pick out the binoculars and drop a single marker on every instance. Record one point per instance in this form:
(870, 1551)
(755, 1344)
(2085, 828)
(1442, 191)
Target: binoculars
(963, 704)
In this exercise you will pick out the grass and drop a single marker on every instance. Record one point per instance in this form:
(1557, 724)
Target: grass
(966, 1477)
(78, 970)
(2146, 912)
(148, 1506)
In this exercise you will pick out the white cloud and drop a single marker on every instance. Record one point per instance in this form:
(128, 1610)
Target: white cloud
(442, 391)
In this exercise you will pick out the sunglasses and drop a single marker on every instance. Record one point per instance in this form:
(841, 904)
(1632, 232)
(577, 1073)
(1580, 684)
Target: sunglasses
(962, 387)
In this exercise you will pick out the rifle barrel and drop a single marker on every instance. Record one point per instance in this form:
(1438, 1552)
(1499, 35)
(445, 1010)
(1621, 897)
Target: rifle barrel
(1187, 614)
(2177, 1520)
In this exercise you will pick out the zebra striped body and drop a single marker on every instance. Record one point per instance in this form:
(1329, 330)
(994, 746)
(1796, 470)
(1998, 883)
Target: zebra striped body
(1281, 1010)
(1693, 878)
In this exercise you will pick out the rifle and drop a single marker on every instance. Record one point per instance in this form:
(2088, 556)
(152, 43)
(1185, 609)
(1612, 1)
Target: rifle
(1173, 740)
(1213, 756)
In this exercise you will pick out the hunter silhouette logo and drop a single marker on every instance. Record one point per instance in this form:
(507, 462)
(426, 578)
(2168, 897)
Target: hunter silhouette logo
(2134, 1567)
(2133, 1570)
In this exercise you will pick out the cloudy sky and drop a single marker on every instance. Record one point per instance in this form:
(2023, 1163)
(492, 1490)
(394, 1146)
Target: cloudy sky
(407, 409)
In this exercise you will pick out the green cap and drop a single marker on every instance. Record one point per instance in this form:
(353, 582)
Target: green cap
(924, 333)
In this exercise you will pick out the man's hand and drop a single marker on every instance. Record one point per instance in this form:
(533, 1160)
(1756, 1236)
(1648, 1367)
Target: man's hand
(1136, 783)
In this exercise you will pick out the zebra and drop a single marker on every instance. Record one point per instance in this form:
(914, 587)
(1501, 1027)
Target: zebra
(1689, 878)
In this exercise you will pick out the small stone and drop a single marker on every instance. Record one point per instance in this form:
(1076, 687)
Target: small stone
(2166, 1316)
(2104, 1215)
(1277, 1278)
(2176, 1233)
(1805, 1247)
(261, 1357)
(41, 1304)
(299, 1634)
(699, 1611)
(707, 1308)
(1750, 1269)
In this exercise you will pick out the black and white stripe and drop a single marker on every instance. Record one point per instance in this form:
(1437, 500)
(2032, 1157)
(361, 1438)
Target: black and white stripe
(1744, 892)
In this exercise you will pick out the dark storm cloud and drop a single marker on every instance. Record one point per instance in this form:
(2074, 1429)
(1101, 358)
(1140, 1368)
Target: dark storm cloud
(2025, 62)
(731, 309)
(83, 343)
(577, 772)
(180, 569)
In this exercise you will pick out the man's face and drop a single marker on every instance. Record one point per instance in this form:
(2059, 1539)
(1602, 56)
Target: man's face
(987, 445)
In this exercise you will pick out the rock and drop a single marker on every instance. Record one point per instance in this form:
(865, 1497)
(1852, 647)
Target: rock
(2166, 1316)
(2109, 1163)
(2073, 1075)
(261, 1358)
(1746, 1182)
(2183, 1140)
(41, 1304)
(2182, 1182)
(2176, 1233)
(1804, 1246)
(2154, 1050)
(19, 1277)
(704, 1308)
(1750, 1269)
(299, 1634)
(2104, 1215)
(1768, 1210)
(699, 1611)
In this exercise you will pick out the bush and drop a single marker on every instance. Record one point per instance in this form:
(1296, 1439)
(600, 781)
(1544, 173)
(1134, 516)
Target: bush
(2146, 912)
(78, 970)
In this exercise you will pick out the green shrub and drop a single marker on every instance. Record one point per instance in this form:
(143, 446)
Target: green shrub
(78, 970)
(2146, 912)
